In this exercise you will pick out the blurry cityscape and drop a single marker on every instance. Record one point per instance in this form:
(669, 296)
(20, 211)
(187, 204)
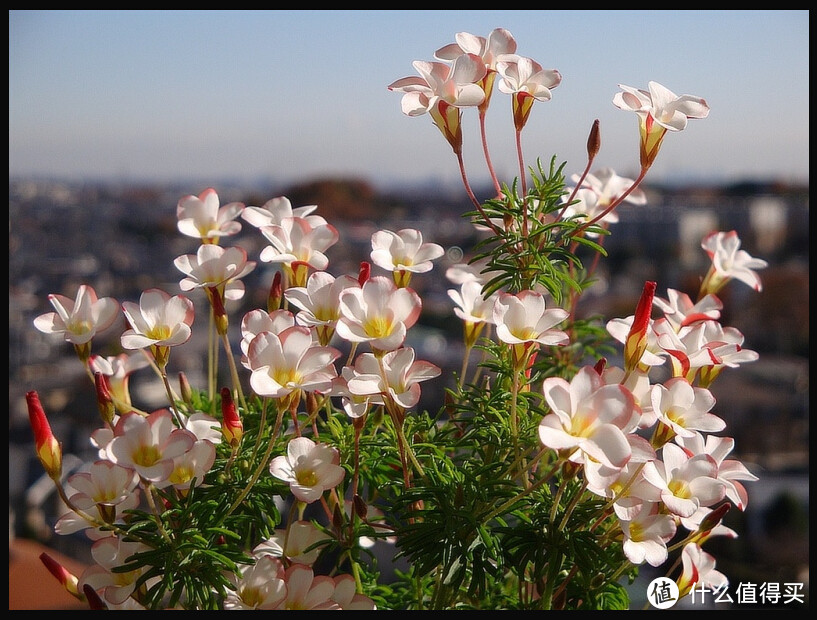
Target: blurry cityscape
(122, 239)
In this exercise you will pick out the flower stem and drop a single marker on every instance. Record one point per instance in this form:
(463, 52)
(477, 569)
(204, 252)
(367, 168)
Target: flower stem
(473, 198)
(497, 187)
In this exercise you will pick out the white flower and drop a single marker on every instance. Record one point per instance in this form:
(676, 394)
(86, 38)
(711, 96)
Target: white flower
(295, 543)
(201, 217)
(729, 262)
(400, 377)
(680, 311)
(299, 245)
(319, 302)
(686, 482)
(256, 321)
(275, 210)
(149, 444)
(404, 252)
(523, 318)
(114, 587)
(310, 468)
(213, 266)
(729, 471)
(259, 586)
(158, 319)
(608, 186)
(685, 408)
(471, 305)
(660, 104)
(646, 533)
(589, 419)
(698, 568)
(284, 363)
(81, 319)
(378, 312)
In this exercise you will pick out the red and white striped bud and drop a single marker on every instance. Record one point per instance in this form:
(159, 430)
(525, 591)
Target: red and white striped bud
(219, 313)
(68, 580)
(276, 293)
(636, 342)
(231, 425)
(48, 448)
(104, 399)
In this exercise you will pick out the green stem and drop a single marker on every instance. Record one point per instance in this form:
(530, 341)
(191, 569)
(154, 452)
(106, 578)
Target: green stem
(573, 502)
(149, 488)
(246, 490)
(170, 397)
(625, 488)
(554, 566)
(261, 423)
(556, 500)
(507, 505)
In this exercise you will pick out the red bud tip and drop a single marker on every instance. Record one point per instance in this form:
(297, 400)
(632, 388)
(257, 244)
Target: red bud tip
(276, 293)
(364, 273)
(219, 313)
(48, 448)
(94, 600)
(231, 425)
(636, 342)
(104, 399)
(68, 581)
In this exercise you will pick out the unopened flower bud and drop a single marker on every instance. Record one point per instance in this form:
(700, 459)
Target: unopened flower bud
(48, 448)
(94, 600)
(636, 342)
(219, 313)
(364, 272)
(361, 509)
(104, 400)
(186, 390)
(67, 579)
(594, 140)
(276, 293)
(231, 425)
(447, 119)
(337, 518)
(713, 519)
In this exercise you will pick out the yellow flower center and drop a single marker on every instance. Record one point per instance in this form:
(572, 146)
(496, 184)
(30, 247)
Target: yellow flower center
(146, 456)
(676, 415)
(636, 532)
(80, 327)
(378, 327)
(158, 332)
(182, 474)
(206, 227)
(306, 477)
(680, 488)
(286, 376)
(526, 333)
(581, 425)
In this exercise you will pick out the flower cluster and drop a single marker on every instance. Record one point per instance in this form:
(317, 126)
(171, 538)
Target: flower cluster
(542, 481)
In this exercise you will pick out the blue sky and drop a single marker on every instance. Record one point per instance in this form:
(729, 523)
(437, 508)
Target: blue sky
(291, 95)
